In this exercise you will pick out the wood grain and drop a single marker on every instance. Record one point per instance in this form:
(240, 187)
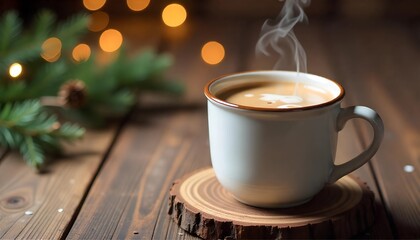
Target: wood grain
(383, 78)
(201, 206)
(350, 143)
(126, 198)
(33, 205)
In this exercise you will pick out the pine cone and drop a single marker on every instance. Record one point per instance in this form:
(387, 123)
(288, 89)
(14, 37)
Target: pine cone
(73, 93)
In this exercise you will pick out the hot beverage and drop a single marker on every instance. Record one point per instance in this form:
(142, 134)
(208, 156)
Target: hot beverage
(273, 144)
(276, 94)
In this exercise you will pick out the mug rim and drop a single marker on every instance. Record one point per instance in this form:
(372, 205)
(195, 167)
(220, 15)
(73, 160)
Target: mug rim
(210, 96)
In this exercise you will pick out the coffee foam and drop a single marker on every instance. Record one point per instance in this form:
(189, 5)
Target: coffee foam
(270, 97)
(277, 95)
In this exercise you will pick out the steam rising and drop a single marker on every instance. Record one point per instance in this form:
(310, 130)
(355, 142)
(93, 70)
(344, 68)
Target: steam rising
(280, 30)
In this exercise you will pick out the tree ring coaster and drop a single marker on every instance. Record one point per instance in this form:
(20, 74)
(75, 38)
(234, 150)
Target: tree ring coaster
(202, 207)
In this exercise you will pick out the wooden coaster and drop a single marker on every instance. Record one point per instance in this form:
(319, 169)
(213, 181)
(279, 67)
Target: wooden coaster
(202, 207)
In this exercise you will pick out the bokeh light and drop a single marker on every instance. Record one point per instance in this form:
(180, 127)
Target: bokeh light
(138, 5)
(212, 52)
(81, 52)
(409, 168)
(98, 21)
(93, 5)
(15, 70)
(110, 40)
(51, 49)
(174, 15)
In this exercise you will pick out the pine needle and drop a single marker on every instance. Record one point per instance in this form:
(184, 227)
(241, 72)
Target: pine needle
(32, 153)
(27, 127)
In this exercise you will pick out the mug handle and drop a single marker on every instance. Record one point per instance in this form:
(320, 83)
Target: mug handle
(375, 121)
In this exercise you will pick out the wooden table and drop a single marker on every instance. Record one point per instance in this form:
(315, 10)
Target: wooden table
(114, 183)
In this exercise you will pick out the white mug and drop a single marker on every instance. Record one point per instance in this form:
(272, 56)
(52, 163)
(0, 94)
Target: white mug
(281, 157)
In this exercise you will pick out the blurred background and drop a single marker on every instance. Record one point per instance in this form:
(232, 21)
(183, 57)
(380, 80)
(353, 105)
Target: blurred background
(371, 47)
(169, 26)
(207, 33)
(407, 9)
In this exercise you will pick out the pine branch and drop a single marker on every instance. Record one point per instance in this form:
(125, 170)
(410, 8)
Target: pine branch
(111, 89)
(105, 92)
(28, 128)
(31, 152)
(69, 131)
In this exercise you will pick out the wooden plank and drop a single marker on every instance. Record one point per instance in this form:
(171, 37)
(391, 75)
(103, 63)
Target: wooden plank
(129, 198)
(126, 197)
(378, 63)
(36, 205)
(320, 62)
(198, 157)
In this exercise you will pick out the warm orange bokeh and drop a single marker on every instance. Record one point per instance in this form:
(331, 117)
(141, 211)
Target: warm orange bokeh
(110, 40)
(138, 5)
(174, 15)
(212, 52)
(93, 4)
(81, 52)
(51, 49)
